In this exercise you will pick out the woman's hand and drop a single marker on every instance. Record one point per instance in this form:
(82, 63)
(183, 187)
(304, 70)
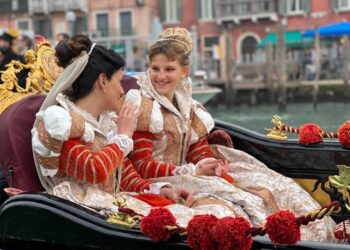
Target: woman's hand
(177, 195)
(222, 169)
(212, 167)
(127, 119)
(209, 167)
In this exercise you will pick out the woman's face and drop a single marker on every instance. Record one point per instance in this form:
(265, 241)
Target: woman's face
(114, 91)
(165, 75)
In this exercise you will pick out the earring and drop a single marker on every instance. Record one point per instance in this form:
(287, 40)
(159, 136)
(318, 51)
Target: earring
(104, 91)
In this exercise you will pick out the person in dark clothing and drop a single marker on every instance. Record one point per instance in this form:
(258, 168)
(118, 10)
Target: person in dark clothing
(6, 52)
(24, 43)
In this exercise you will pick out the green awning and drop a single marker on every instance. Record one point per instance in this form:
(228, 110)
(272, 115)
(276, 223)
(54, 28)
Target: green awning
(294, 39)
(119, 48)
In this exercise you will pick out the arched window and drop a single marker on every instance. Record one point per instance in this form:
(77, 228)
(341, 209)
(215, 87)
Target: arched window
(248, 49)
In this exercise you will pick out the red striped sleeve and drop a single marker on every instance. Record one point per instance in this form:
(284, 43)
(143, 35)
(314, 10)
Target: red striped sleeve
(131, 180)
(142, 157)
(78, 161)
(199, 151)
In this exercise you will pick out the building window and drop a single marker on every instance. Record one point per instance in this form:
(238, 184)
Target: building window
(248, 50)
(80, 25)
(245, 8)
(344, 4)
(42, 26)
(125, 21)
(172, 11)
(211, 57)
(102, 24)
(22, 24)
(294, 7)
(264, 6)
(206, 9)
(5, 7)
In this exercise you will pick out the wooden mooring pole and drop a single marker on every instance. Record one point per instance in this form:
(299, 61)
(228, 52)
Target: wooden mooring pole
(282, 67)
(317, 73)
(229, 88)
(269, 71)
(346, 67)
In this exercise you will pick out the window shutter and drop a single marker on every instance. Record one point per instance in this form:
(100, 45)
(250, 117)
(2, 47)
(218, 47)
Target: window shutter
(199, 9)
(282, 7)
(335, 5)
(306, 5)
(162, 10)
(178, 10)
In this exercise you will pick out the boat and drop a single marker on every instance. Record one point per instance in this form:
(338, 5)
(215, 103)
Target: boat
(204, 93)
(36, 220)
(201, 91)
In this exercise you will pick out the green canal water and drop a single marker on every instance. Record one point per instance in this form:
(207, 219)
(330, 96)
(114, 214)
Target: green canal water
(328, 115)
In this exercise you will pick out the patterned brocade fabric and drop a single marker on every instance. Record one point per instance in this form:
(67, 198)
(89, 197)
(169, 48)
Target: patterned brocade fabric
(45, 138)
(143, 160)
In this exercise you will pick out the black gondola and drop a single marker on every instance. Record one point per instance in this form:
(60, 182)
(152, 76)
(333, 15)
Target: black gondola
(37, 220)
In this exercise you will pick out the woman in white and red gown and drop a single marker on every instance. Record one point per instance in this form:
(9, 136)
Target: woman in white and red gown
(170, 145)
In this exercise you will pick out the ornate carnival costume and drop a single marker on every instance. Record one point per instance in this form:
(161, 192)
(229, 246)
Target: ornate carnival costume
(77, 156)
(170, 142)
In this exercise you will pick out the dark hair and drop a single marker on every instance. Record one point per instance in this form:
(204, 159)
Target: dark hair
(101, 60)
(27, 41)
(65, 36)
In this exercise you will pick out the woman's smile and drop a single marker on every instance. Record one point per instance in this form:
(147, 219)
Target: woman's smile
(165, 75)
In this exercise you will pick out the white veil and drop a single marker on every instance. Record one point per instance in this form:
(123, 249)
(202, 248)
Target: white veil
(64, 82)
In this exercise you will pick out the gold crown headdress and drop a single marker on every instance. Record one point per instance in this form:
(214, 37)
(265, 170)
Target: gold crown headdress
(178, 35)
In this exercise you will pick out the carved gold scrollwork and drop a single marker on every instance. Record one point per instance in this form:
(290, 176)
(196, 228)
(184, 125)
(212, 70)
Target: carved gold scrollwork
(275, 133)
(342, 181)
(120, 218)
(43, 72)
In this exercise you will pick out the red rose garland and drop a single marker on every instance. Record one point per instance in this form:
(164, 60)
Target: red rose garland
(310, 133)
(199, 232)
(344, 134)
(207, 232)
(231, 234)
(154, 224)
(282, 228)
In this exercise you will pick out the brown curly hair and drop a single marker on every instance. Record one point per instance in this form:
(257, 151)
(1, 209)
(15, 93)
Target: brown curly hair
(175, 44)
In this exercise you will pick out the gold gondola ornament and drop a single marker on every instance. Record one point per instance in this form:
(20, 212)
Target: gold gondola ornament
(120, 218)
(276, 133)
(43, 72)
(342, 181)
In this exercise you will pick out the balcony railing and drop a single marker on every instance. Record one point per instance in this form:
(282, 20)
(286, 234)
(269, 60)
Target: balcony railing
(245, 9)
(48, 6)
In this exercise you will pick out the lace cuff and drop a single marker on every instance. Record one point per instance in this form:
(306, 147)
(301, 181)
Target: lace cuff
(124, 142)
(188, 168)
(155, 188)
